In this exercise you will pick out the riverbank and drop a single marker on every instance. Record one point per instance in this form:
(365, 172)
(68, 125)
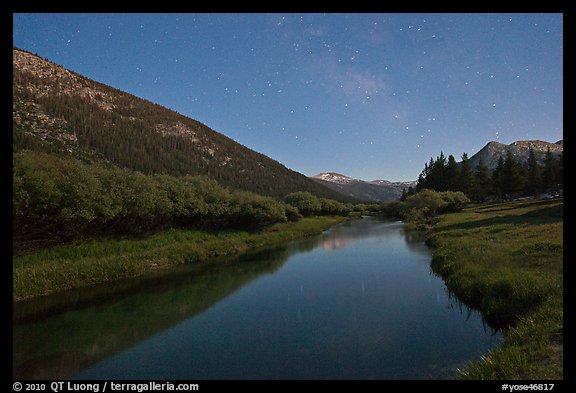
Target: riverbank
(507, 261)
(98, 261)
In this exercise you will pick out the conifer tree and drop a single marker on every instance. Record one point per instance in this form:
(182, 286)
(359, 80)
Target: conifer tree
(483, 185)
(451, 175)
(497, 177)
(511, 181)
(466, 180)
(534, 176)
(550, 172)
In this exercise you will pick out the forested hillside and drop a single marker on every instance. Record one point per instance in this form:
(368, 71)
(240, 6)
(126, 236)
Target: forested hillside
(60, 112)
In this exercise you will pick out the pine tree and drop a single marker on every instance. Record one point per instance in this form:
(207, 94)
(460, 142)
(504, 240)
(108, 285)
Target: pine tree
(425, 178)
(550, 172)
(497, 177)
(451, 174)
(483, 185)
(512, 180)
(439, 179)
(466, 180)
(420, 185)
(534, 176)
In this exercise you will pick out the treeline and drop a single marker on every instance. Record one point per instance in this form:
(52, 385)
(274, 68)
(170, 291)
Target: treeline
(58, 199)
(510, 178)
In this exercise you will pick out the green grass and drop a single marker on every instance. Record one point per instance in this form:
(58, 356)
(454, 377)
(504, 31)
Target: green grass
(507, 261)
(110, 318)
(97, 261)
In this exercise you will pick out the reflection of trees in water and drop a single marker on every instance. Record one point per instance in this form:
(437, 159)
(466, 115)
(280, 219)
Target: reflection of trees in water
(54, 338)
(415, 241)
(335, 243)
(57, 336)
(345, 235)
(349, 233)
(414, 236)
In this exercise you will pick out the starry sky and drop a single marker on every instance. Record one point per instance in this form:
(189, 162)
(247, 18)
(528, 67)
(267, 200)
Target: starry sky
(371, 96)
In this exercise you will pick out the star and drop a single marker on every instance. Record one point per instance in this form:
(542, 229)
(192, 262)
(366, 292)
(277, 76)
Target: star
(344, 91)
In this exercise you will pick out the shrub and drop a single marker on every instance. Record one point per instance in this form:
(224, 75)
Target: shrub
(61, 198)
(292, 213)
(332, 207)
(427, 202)
(307, 204)
(394, 209)
(455, 201)
(250, 209)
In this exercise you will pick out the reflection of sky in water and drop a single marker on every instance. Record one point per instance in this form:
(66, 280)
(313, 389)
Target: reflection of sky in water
(344, 235)
(371, 310)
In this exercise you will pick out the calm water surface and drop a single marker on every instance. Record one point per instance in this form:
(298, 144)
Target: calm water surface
(357, 302)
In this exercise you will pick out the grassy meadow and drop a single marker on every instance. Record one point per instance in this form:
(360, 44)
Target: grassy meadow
(507, 261)
(95, 261)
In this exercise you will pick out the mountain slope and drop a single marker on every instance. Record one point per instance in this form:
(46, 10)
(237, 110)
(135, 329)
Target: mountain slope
(520, 149)
(58, 111)
(373, 191)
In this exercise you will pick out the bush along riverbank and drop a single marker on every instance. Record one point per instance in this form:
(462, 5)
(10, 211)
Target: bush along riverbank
(76, 224)
(94, 261)
(57, 200)
(506, 260)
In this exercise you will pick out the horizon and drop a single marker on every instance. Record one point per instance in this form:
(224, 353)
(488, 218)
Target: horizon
(447, 155)
(312, 89)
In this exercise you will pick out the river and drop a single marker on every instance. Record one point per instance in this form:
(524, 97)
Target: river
(357, 302)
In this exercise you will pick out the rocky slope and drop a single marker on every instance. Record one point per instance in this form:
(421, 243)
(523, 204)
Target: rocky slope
(372, 191)
(58, 111)
(520, 149)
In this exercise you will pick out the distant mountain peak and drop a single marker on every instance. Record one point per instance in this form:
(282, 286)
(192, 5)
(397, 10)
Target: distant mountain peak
(332, 174)
(334, 177)
(536, 145)
(373, 191)
(491, 153)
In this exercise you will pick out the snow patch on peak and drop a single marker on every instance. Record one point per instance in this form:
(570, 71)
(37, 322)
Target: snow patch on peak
(371, 191)
(386, 182)
(334, 177)
(395, 184)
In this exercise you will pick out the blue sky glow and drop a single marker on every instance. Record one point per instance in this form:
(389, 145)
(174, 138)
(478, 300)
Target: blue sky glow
(372, 96)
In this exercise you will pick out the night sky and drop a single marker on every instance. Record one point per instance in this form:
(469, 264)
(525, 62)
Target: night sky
(371, 96)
